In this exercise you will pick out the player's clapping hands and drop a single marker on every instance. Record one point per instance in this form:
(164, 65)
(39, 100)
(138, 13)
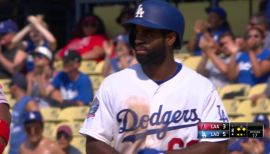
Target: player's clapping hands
(34, 19)
(200, 26)
(207, 44)
(232, 47)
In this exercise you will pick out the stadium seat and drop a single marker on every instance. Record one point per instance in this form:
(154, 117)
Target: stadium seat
(48, 130)
(99, 67)
(73, 113)
(11, 101)
(50, 114)
(58, 65)
(5, 83)
(96, 81)
(192, 62)
(232, 91)
(88, 66)
(244, 107)
(262, 106)
(182, 56)
(257, 89)
(231, 107)
(246, 118)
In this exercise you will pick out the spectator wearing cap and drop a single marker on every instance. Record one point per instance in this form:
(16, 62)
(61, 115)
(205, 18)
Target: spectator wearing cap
(24, 104)
(215, 26)
(10, 56)
(124, 55)
(64, 137)
(88, 40)
(70, 86)
(253, 145)
(40, 77)
(36, 143)
(39, 35)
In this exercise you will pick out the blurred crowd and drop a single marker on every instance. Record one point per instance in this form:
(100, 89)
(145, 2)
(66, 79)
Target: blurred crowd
(27, 58)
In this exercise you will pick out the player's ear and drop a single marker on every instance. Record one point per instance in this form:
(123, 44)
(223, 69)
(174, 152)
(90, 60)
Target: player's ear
(171, 38)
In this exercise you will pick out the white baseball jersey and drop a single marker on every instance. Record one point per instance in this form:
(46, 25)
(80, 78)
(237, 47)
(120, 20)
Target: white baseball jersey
(2, 96)
(131, 112)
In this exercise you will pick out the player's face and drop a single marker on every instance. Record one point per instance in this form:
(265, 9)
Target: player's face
(63, 139)
(34, 131)
(225, 42)
(214, 20)
(149, 45)
(40, 60)
(255, 39)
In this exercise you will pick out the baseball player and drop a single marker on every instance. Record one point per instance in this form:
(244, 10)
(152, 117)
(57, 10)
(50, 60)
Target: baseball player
(156, 105)
(5, 119)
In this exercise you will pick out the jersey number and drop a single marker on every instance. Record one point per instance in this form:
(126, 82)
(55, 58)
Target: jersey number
(180, 143)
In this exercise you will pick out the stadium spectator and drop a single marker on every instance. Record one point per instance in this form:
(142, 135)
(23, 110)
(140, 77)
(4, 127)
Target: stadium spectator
(40, 77)
(252, 66)
(125, 14)
(24, 104)
(215, 58)
(124, 55)
(216, 25)
(253, 145)
(259, 20)
(10, 56)
(35, 142)
(89, 38)
(70, 86)
(39, 35)
(64, 137)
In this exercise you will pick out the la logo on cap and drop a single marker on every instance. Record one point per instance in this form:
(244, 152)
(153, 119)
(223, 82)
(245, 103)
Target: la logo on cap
(32, 116)
(139, 12)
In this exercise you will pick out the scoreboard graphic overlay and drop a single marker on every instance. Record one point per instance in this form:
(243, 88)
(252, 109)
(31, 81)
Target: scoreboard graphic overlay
(230, 130)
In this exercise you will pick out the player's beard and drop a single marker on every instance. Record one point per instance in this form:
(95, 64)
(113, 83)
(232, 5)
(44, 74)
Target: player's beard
(154, 56)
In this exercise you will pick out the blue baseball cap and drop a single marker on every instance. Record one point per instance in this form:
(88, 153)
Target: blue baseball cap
(8, 26)
(33, 116)
(218, 10)
(263, 119)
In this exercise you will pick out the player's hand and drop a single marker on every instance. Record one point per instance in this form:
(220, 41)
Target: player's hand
(207, 44)
(253, 146)
(200, 26)
(32, 19)
(108, 47)
(40, 17)
(232, 47)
